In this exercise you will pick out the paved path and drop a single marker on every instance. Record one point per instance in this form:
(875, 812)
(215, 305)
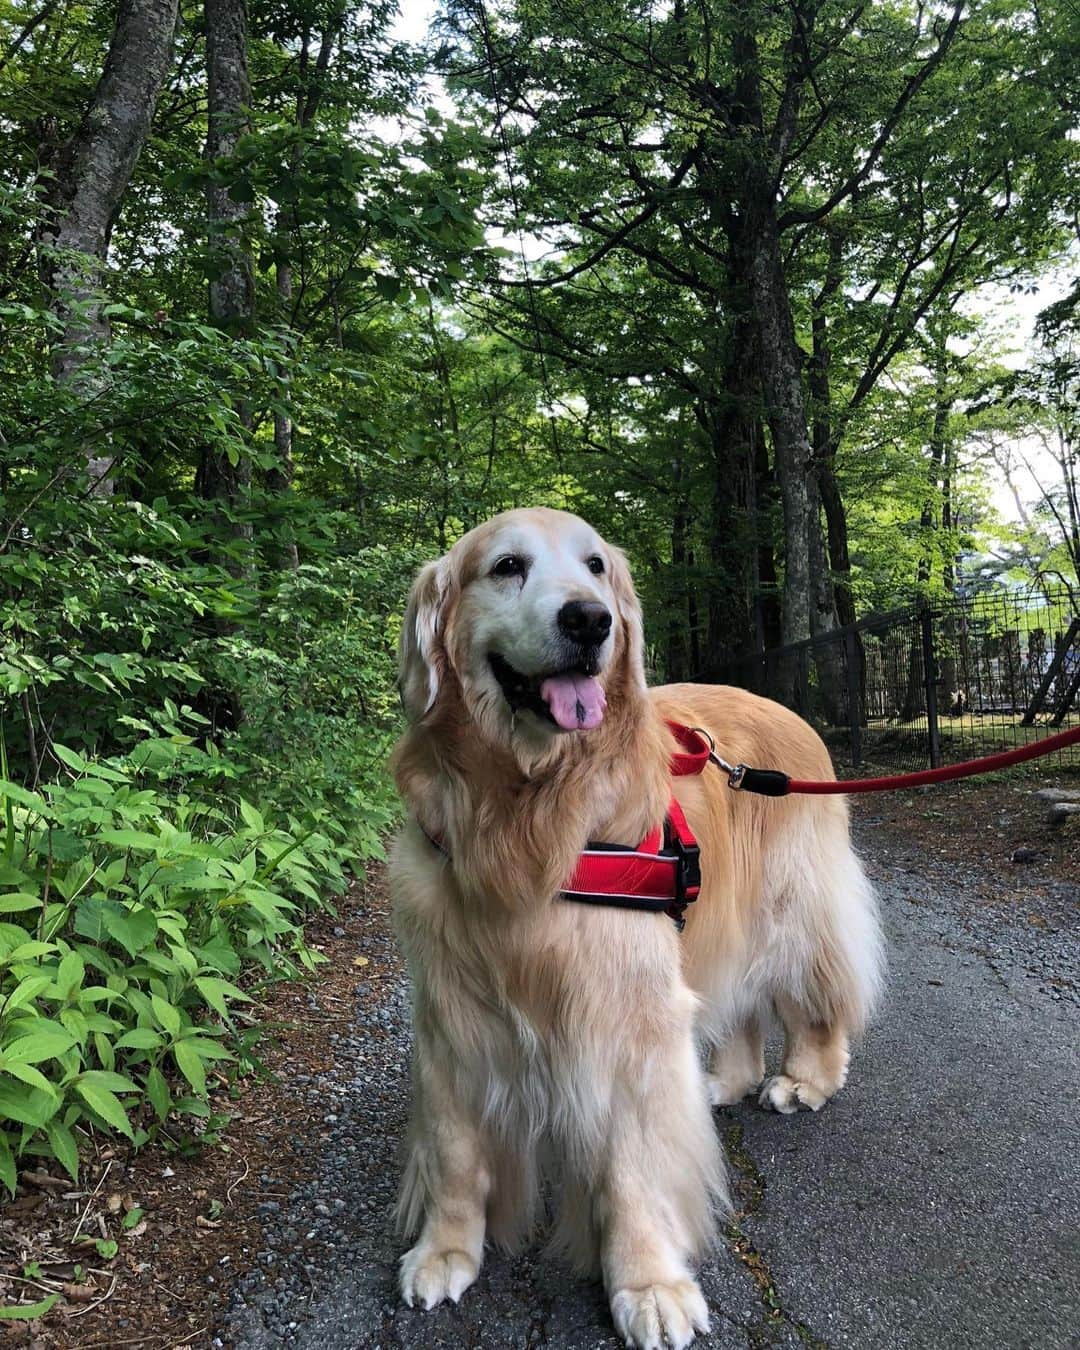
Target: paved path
(935, 1203)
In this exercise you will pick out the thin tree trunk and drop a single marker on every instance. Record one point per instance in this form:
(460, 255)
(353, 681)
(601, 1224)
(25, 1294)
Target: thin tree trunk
(279, 478)
(678, 665)
(232, 286)
(91, 176)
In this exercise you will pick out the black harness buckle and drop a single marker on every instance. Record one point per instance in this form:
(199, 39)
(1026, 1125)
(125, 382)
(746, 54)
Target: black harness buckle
(687, 876)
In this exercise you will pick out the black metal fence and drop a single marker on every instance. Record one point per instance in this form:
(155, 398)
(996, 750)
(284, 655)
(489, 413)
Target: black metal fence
(935, 683)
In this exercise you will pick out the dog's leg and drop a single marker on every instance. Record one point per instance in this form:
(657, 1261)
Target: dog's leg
(447, 1181)
(815, 1061)
(662, 1177)
(738, 1066)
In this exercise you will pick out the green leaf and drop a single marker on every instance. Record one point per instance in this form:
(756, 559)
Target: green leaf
(90, 918)
(104, 1104)
(27, 951)
(8, 1173)
(132, 1217)
(190, 1064)
(104, 1078)
(75, 761)
(216, 991)
(389, 288)
(34, 1078)
(20, 797)
(65, 1150)
(17, 902)
(107, 1248)
(26, 991)
(139, 1038)
(27, 1312)
(70, 974)
(48, 1043)
(158, 1091)
(252, 818)
(133, 930)
(166, 1014)
(28, 1108)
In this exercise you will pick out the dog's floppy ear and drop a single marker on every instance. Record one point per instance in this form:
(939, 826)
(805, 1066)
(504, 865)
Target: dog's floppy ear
(421, 653)
(629, 606)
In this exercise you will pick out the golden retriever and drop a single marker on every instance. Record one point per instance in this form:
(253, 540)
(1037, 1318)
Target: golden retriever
(558, 1043)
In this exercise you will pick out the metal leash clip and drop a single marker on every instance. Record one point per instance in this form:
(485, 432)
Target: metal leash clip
(735, 772)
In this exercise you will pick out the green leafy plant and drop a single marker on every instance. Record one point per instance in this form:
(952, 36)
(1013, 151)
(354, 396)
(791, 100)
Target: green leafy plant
(126, 917)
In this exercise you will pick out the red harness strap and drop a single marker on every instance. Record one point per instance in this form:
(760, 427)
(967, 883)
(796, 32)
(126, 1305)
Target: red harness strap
(662, 874)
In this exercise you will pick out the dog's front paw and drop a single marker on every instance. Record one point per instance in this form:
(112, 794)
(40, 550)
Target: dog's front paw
(428, 1277)
(660, 1315)
(786, 1095)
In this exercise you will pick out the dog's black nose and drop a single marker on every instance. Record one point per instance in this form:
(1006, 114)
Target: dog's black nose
(585, 621)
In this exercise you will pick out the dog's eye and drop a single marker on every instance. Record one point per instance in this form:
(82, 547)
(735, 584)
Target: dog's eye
(595, 564)
(513, 565)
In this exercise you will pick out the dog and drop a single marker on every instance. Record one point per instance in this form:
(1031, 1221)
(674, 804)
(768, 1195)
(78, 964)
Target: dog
(573, 1049)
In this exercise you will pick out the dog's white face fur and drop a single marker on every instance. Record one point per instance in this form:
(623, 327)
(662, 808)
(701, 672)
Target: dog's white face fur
(529, 613)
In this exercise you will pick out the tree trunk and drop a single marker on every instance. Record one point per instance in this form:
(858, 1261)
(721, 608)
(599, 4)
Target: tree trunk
(279, 478)
(678, 646)
(761, 261)
(767, 626)
(92, 174)
(309, 95)
(824, 615)
(785, 411)
(232, 285)
(729, 420)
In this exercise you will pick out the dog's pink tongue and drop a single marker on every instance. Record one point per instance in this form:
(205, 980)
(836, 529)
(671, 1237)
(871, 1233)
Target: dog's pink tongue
(576, 702)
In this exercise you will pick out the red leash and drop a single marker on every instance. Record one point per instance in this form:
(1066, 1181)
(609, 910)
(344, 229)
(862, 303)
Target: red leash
(774, 783)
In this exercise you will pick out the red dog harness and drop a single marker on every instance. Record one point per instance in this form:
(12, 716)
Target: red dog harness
(662, 874)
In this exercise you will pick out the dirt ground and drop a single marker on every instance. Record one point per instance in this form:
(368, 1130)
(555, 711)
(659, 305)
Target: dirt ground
(204, 1209)
(201, 1222)
(995, 822)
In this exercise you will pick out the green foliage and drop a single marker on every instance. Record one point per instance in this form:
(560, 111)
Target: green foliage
(128, 914)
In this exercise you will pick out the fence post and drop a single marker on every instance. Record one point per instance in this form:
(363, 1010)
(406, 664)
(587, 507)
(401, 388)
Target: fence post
(926, 623)
(853, 691)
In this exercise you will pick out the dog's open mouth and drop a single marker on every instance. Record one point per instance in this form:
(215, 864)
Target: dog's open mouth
(573, 699)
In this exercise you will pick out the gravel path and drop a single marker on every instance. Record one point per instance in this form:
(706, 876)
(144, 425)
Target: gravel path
(935, 1203)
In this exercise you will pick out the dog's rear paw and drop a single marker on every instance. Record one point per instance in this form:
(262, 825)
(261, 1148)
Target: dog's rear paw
(786, 1095)
(430, 1277)
(724, 1092)
(660, 1315)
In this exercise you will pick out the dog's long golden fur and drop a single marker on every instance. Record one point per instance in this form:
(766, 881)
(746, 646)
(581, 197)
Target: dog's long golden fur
(560, 1041)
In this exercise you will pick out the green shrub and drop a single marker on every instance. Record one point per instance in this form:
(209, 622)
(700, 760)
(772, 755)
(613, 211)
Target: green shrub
(127, 915)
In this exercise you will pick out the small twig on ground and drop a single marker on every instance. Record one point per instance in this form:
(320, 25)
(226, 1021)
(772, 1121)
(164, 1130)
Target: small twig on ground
(98, 1302)
(239, 1179)
(184, 1303)
(93, 1196)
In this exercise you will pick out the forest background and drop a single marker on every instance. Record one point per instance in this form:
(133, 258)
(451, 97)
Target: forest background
(289, 303)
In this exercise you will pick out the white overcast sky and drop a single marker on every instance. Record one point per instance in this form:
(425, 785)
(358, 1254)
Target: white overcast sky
(1013, 315)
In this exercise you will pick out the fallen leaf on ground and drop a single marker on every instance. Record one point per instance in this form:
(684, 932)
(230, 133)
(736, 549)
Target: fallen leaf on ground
(46, 1182)
(80, 1293)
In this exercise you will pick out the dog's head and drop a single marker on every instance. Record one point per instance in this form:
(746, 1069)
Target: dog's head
(532, 621)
